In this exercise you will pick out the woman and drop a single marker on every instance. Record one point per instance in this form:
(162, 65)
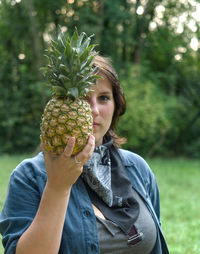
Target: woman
(104, 200)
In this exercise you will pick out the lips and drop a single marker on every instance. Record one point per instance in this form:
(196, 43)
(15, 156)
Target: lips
(95, 125)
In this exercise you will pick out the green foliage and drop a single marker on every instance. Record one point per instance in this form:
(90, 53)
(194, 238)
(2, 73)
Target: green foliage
(19, 116)
(163, 99)
(147, 120)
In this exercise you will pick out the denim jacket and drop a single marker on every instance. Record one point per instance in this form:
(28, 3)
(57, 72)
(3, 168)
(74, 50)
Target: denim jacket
(80, 234)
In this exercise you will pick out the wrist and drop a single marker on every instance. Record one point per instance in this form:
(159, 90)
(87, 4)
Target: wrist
(57, 190)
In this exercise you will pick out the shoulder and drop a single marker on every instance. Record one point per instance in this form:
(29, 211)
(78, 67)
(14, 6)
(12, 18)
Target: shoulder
(142, 177)
(132, 159)
(30, 168)
(137, 168)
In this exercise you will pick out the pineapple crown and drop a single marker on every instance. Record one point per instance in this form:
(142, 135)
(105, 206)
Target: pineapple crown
(70, 71)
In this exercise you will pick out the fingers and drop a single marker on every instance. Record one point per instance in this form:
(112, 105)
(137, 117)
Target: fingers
(86, 153)
(81, 157)
(69, 147)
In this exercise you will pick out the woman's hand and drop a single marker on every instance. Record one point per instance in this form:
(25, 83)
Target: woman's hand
(63, 170)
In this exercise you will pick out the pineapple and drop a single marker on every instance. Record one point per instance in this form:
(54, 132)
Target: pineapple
(70, 73)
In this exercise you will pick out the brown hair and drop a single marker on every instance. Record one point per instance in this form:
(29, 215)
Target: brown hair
(105, 68)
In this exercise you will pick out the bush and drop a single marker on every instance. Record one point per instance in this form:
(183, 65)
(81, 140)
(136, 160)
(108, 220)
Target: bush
(20, 114)
(147, 120)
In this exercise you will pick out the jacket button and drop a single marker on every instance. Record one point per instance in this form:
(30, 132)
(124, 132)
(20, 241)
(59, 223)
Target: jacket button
(87, 213)
(93, 247)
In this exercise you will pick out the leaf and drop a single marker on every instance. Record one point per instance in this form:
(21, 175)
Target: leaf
(68, 50)
(64, 68)
(61, 38)
(74, 92)
(85, 45)
(63, 78)
(81, 39)
(74, 39)
(57, 90)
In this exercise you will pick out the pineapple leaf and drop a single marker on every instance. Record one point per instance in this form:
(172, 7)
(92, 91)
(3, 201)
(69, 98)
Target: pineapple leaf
(58, 91)
(68, 50)
(70, 69)
(74, 39)
(84, 55)
(64, 69)
(85, 45)
(61, 39)
(82, 35)
(73, 91)
(63, 78)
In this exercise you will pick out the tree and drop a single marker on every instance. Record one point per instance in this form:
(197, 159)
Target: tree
(149, 42)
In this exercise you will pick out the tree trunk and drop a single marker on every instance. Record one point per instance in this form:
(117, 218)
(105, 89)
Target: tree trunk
(35, 42)
(142, 28)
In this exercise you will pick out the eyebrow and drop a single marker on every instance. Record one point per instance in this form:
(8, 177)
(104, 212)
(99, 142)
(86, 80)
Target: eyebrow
(106, 92)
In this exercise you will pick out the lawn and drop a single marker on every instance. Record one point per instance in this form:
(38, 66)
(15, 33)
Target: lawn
(178, 181)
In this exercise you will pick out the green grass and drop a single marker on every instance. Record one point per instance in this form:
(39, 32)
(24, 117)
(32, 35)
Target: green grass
(178, 181)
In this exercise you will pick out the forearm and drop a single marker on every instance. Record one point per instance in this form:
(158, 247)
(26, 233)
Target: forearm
(45, 232)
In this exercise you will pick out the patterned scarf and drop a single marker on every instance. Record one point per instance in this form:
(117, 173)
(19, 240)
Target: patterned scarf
(97, 174)
(109, 187)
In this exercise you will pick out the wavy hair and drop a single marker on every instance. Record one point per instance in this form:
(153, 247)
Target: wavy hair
(106, 68)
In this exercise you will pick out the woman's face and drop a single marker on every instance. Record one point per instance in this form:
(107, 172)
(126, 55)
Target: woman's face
(102, 105)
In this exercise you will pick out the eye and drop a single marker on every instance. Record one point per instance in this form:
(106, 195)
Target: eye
(104, 98)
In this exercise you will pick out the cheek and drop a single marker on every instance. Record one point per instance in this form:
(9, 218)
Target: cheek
(108, 113)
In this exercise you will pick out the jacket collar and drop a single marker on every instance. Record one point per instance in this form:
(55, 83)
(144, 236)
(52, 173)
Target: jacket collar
(127, 158)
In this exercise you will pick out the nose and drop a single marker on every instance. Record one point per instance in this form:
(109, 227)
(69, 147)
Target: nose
(94, 107)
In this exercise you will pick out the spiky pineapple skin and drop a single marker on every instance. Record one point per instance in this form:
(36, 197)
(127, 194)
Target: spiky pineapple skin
(64, 118)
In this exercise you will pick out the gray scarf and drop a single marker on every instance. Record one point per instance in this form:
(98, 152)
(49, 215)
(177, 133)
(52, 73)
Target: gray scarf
(109, 187)
(97, 174)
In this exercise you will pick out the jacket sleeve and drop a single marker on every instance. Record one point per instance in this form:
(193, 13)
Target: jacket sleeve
(20, 207)
(154, 194)
(150, 184)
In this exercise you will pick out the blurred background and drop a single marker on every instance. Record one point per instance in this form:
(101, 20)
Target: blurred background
(155, 47)
(153, 44)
